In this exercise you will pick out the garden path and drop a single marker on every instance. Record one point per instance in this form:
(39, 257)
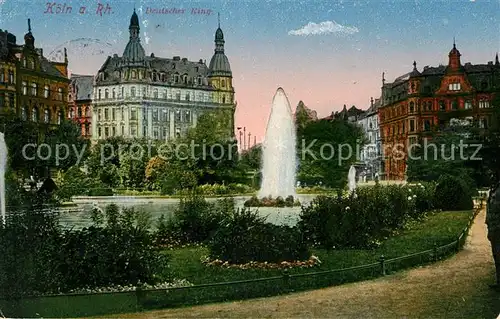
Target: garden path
(453, 288)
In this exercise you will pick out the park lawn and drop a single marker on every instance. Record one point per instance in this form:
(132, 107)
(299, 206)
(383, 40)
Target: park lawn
(437, 229)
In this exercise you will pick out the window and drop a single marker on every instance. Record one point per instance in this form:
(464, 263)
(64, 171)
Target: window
(134, 75)
(163, 77)
(178, 96)
(164, 115)
(412, 125)
(427, 125)
(24, 62)
(468, 104)
(454, 105)
(442, 105)
(79, 112)
(223, 84)
(34, 89)
(106, 94)
(165, 95)
(113, 114)
(483, 123)
(454, 87)
(60, 94)
(177, 116)
(99, 130)
(123, 130)
(24, 113)
(106, 132)
(11, 101)
(199, 80)
(46, 91)
(223, 99)
(187, 97)
(60, 119)
(106, 114)
(187, 116)
(185, 79)
(412, 107)
(132, 91)
(87, 129)
(144, 92)
(31, 64)
(155, 115)
(123, 114)
(429, 106)
(155, 93)
(155, 133)
(99, 95)
(144, 131)
(2, 75)
(99, 114)
(484, 104)
(484, 85)
(114, 131)
(46, 116)
(114, 93)
(154, 77)
(34, 114)
(11, 77)
(123, 93)
(133, 115)
(164, 131)
(25, 88)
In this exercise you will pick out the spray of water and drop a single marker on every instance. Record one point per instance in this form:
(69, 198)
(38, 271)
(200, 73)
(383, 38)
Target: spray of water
(279, 162)
(351, 179)
(3, 166)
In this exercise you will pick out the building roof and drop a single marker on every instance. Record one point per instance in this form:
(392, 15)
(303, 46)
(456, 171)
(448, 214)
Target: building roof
(82, 86)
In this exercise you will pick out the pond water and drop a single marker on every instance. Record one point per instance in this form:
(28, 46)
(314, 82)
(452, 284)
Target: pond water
(79, 217)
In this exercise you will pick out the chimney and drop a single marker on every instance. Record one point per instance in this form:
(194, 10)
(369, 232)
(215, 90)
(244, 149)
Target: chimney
(371, 101)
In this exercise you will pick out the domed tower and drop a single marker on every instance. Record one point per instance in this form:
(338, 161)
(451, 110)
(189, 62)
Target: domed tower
(220, 78)
(134, 52)
(454, 64)
(29, 39)
(219, 72)
(414, 82)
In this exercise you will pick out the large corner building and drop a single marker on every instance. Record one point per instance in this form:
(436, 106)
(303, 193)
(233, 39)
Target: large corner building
(421, 102)
(140, 96)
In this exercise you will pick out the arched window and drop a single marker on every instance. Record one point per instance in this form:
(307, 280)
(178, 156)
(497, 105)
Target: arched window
(34, 114)
(223, 83)
(412, 107)
(106, 94)
(154, 77)
(134, 74)
(99, 95)
(114, 93)
(185, 79)
(223, 99)
(132, 91)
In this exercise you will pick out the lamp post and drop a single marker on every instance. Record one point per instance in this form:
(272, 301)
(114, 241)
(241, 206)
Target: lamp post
(240, 133)
(244, 138)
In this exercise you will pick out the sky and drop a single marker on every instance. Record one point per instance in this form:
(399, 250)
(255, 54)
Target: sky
(325, 53)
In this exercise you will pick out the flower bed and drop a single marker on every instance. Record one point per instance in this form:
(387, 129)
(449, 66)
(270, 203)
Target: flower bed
(290, 201)
(311, 262)
(176, 283)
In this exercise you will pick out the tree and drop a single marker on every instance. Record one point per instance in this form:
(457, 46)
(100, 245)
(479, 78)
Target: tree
(326, 150)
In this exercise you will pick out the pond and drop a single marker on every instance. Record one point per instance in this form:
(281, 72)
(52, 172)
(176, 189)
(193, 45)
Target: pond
(79, 216)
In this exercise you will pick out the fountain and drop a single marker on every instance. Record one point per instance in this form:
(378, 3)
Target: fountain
(3, 165)
(279, 163)
(351, 179)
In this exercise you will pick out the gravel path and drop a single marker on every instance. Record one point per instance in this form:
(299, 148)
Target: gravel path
(454, 288)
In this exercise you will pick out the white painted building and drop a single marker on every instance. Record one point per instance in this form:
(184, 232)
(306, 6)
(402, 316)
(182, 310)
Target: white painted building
(139, 96)
(371, 153)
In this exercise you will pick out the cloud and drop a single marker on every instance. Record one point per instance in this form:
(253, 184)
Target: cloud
(326, 27)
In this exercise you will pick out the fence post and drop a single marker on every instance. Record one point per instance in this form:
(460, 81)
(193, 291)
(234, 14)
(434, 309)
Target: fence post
(435, 252)
(286, 277)
(382, 265)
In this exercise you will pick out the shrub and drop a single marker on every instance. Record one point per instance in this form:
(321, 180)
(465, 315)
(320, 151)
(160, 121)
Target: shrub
(244, 236)
(38, 257)
(453, 193)
(196, 220)
(100, 192)
(359, 221)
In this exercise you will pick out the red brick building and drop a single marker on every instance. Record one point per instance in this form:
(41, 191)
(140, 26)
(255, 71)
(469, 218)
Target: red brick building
(80, 100)
(420, 102)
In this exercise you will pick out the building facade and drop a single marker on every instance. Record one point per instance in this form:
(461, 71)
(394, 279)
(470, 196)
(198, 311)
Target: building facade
(371, 153)
(418, 103)
(8, 73)
(80, 102)
(139, 96)
(42, 85)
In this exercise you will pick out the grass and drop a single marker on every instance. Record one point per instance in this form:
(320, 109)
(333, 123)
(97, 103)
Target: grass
(438, 229)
